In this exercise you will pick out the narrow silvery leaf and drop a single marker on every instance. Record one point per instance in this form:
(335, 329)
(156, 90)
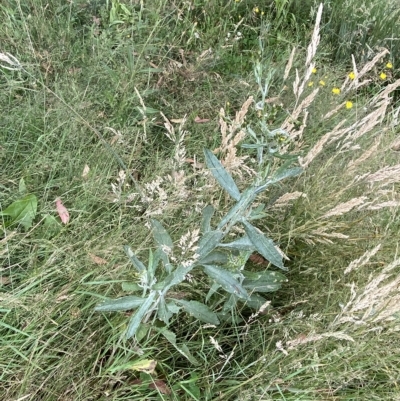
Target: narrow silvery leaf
(161, 235)
(208, 212)
(240, 244)
(163, 313)
(221, 175)
(131, 287)
(164, 241)
(212, 258)
(174, 278)
(255, 301)
(212, 291)
(286, 173)
(226, 280)
(136, 319)
(120, 304)
(133, 258)
(209, 242)
(199, 311)
(263, 245)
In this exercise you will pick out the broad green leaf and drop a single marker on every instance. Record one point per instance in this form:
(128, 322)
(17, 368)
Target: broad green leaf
(22, 211)
(263, 245)
(131, 287)
(221, 175)
(213, 257)
(241, 244)
(208, 212)
(226, 280)
(182, 349)
(120, 304)
(22, 186)
(209, 242)
(140, 313)
(140, 267)
(199, 311)
(50, 226)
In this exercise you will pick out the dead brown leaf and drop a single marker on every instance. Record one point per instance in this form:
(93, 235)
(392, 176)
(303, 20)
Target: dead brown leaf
(97, 259)
(199, 120)
(161, 386)
(4, 280)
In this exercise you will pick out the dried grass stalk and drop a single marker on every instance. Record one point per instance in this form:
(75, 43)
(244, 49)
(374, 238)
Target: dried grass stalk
(345, 207)
(366, 155)
(232, 134)
(386, 174)
(286, 198)
(362, 260)
(289, 64)
(316, 337)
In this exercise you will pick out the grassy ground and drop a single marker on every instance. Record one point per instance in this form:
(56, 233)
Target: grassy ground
(96, 77)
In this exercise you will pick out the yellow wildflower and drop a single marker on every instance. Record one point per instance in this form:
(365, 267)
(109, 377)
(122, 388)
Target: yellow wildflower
(262, 13)
(382, 76)
(314, 70)
(256, 10)
(389, 65)
(349, 104)
(322, 83)
(352, 75)
(336, 91)
(311, 83)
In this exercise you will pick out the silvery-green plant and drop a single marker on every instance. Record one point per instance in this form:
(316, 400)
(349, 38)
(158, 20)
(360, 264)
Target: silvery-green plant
(153, 294)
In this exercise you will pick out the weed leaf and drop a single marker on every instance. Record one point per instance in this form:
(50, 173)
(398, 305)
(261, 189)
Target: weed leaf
(263, 245)
(241, 244)
(21, 211)
(199, 311)
(209, 242)
(226, 280)
(267, 281)
(120, 304)
(208, 212)
(138, 316)
(164, 241)
(140, 267)
(221, 175)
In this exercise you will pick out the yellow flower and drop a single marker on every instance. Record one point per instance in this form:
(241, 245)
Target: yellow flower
(256, 10)
(311, 83)
(349, 104)
(382, 76)
(314, 70)
(322, 83)
(262, 13)
(389, 65)
(336, 91)
(352, 75)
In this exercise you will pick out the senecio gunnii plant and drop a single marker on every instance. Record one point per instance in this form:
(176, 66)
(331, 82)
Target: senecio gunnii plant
(222, 261)
(156, 286)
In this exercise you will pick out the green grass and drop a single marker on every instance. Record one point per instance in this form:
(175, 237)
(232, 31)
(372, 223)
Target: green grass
(86, 73)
